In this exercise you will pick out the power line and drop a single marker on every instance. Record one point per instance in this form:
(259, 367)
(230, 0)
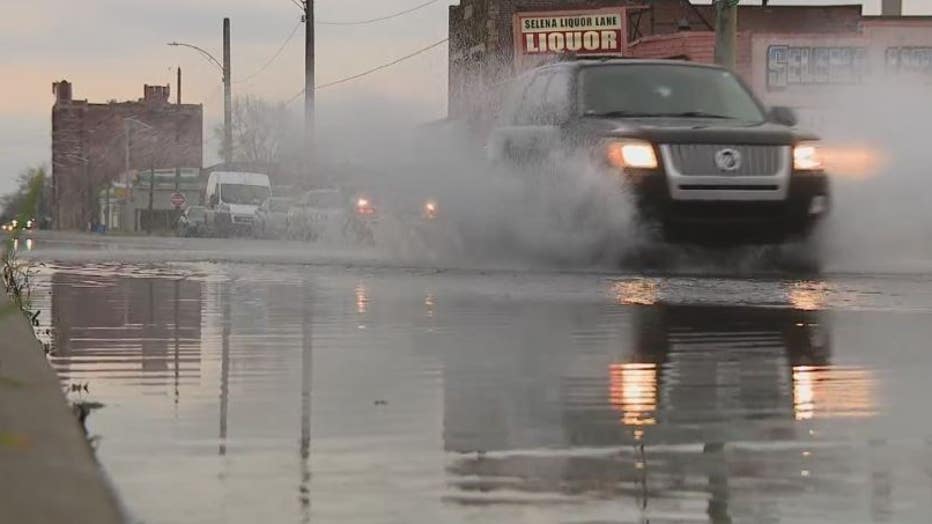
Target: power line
(273, 58)
(373, 70)
(381, 18)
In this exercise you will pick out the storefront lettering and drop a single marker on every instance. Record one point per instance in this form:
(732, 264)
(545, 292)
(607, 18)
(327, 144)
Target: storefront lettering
(908, 60)
(800, 66)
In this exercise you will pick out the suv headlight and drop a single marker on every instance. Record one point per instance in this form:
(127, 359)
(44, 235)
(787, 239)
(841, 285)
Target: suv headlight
(634, 154)
(807, 157)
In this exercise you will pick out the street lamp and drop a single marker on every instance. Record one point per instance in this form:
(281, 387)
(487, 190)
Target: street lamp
(224, 67)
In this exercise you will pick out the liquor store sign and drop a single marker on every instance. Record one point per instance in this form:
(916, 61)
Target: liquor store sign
(585, 32)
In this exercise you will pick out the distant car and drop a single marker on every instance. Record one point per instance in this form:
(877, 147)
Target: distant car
(430, 228)
(272, 217)
(23, 225)
(328, 214)
(193, 222)
(233, 199)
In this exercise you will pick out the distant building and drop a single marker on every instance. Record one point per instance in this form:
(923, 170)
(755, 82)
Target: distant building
(94, 144)
(791, 55)
(124, 205)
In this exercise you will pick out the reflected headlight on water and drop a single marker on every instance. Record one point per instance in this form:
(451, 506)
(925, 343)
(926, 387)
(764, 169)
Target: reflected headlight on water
(641, 292)
(833, 392)
(362, 298)
(633, 392)
(809, 296)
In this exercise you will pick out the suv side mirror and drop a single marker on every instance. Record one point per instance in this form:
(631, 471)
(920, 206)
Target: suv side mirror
(783, 115)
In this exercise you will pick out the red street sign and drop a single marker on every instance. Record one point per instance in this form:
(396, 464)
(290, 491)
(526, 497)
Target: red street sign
(178, 200)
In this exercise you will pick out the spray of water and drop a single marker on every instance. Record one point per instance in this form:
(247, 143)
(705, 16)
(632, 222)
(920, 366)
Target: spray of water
(570, 213)
(879, 155)
(566, 212)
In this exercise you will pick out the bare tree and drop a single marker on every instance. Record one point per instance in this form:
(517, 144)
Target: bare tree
(263, 132)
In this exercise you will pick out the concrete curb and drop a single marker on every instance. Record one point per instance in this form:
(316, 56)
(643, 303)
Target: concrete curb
(48, 472)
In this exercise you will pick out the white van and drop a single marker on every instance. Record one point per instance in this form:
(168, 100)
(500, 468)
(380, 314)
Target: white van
(233, 199)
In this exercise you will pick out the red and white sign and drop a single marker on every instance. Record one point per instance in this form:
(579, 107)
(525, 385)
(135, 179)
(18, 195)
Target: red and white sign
(580, 32)
(178, 200)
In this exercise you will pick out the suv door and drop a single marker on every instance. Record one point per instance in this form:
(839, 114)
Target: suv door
(546, 106)
(515, 139)
(498, 148)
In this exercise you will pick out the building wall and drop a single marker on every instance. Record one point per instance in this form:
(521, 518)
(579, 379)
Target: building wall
(482, 40)
(89, 146)
(888, 51)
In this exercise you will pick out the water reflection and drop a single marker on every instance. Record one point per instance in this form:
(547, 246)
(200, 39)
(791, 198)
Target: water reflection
(633, 392)
(226, 326)
(362, 298)
(307, 368)
(808, 296)
(26, 244)
(685, 380)
(110, 327)
(823, 391)
(639, 291)
(261, 394)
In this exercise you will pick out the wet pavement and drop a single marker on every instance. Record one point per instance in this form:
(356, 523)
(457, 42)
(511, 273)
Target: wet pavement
(364, 393)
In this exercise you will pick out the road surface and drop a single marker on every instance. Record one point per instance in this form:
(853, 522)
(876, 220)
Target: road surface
(246, 382)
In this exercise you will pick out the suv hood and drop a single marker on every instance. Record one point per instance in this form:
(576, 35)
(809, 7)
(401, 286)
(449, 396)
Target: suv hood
(700, 131)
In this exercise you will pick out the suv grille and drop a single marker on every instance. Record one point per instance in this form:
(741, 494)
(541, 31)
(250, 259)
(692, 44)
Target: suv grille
(699, 159)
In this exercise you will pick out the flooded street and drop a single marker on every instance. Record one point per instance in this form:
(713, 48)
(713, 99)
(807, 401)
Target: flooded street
(362, 392)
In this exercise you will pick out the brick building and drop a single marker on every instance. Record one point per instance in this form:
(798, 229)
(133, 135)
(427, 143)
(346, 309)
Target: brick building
(789, 54)
(94, 144)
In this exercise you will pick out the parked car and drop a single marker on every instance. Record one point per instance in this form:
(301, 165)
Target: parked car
(193, 222)
(328, 214)
(233, 199)
(704, 159)
(272, 217)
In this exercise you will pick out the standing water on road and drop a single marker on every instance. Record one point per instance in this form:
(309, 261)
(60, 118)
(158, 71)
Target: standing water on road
(251, 393)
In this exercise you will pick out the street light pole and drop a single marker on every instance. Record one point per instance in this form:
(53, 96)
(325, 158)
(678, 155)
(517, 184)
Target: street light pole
(227, 97)
(227, 87)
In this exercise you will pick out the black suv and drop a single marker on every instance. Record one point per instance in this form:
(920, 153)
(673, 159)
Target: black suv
(705, 160)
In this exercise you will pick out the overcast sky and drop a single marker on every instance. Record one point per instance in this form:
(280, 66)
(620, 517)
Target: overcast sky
(110, 48)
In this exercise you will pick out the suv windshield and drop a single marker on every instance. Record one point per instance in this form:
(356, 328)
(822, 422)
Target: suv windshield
(243, 194)
(661, 90)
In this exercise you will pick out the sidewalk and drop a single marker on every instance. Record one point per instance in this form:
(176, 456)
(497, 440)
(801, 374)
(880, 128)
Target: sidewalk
(48, 473)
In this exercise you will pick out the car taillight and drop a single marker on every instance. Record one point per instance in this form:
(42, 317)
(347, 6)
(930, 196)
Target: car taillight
(364, 207)
(430, 210)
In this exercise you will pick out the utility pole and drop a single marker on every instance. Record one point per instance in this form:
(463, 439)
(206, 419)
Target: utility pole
(227, 98)
(177, 134)
(151, 198)
(309, 139)
(891, 8)
(726, 32)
